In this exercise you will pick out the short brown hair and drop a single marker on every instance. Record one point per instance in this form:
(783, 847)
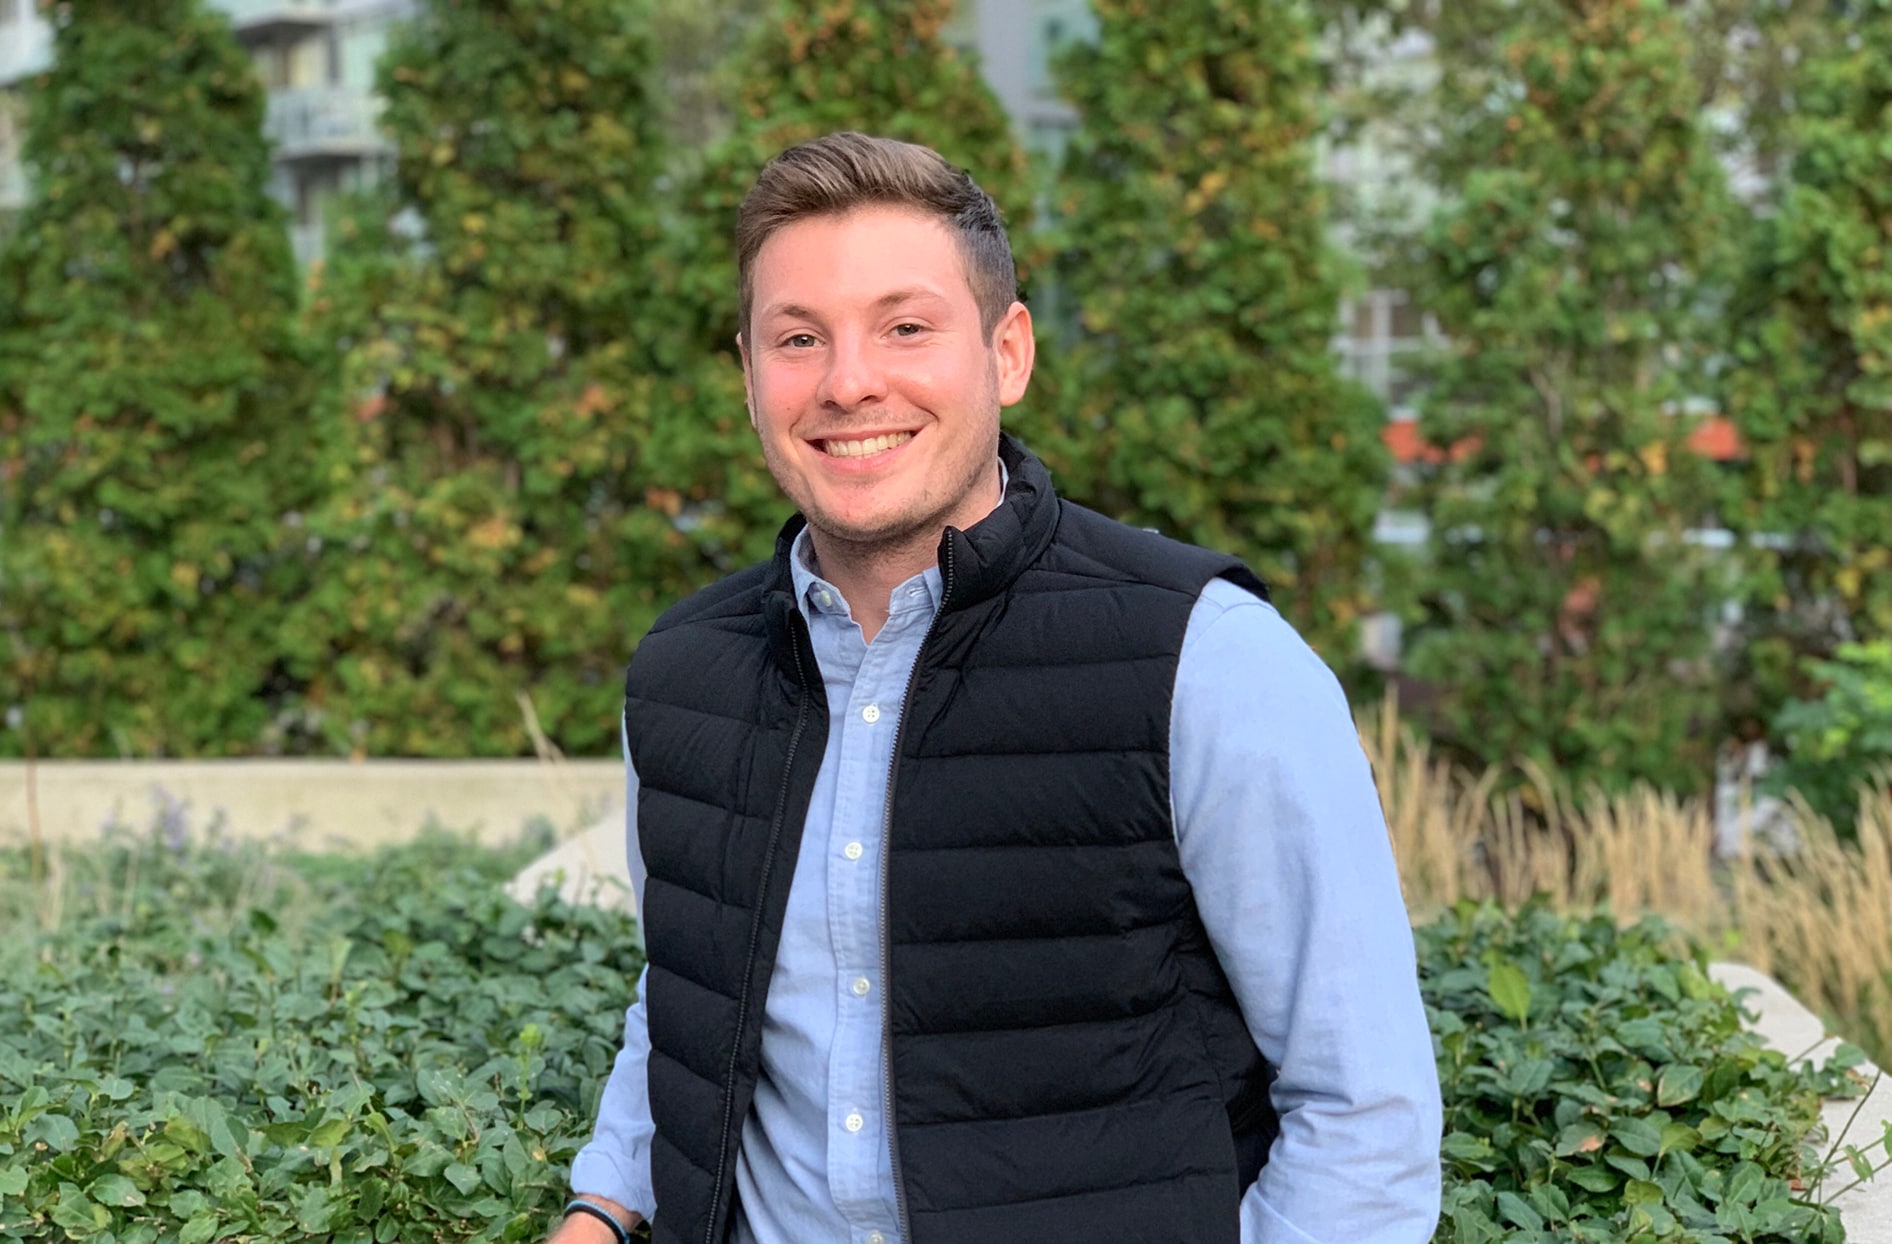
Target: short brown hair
(837, 173)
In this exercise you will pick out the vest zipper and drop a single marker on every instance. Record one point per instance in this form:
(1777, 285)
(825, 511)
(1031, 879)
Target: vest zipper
(886, 902)
(755, 925)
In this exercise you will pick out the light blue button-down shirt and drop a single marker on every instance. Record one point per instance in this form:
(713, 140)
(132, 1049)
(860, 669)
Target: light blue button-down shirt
(1281, 837)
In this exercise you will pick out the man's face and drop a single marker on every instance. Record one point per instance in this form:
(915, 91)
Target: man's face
(873, 389)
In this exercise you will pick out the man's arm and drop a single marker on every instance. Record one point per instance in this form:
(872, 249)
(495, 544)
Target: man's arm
(1283, 841)
(612, 1171)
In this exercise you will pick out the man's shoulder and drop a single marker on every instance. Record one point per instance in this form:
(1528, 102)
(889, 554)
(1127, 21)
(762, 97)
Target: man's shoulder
(1109, 549)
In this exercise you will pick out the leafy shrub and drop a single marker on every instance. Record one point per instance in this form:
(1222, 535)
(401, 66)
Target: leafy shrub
(1809, 382)
(155, 447)
(1564, 615)
(214, 1044)
(1600, 1088)
(1201, 394)
(1841, 743)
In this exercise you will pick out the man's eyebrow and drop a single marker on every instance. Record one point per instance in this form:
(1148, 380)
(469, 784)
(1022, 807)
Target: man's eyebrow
(914, 293)
(785, 310)
(894, 298)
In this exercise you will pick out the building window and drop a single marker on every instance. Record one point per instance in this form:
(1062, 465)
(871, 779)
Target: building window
(1053, 33)
(1383, 329)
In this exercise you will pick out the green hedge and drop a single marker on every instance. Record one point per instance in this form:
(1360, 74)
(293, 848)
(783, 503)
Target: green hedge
(219, 1041)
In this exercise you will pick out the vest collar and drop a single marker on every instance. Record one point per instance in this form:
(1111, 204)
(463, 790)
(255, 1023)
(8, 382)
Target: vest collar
(983, 560)
(977, 563)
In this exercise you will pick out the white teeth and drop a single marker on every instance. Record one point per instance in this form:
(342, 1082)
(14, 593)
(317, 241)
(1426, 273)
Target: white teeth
(861, 449)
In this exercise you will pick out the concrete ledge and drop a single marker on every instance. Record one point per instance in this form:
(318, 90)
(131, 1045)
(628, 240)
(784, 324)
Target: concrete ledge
(591, 867)
(1788, 1026)
(317, 803)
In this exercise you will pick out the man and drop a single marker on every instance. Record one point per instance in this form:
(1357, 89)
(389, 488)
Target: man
(1006, 873)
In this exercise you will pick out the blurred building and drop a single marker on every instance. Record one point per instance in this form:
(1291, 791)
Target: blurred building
(1015, 43)
(317, 58)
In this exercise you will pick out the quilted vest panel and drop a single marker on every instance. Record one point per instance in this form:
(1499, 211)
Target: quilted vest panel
(1067, 1058)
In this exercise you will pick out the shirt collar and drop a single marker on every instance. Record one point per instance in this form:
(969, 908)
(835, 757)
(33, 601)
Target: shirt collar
(817, 595)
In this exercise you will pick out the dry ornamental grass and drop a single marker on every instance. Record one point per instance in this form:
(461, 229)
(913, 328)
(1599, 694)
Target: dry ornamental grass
(1817, 914)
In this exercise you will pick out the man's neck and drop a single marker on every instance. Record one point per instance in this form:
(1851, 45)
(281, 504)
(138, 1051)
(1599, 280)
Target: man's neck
(867, 575)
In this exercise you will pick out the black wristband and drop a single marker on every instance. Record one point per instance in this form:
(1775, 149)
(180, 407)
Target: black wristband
(578, 1206)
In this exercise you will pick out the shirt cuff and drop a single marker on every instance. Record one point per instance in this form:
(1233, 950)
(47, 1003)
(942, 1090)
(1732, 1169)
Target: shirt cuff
(596, 1172)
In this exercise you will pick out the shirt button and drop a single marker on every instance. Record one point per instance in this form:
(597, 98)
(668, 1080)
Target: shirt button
(855, 1123)
(871, 714)
(852, 850)
(875, 1237)
(861, 986)
(825, 599)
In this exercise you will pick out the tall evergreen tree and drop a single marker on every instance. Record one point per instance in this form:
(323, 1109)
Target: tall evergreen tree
(1202, 396)
(505, 523)
(1811, 389)
(1566, 617)
(154, 441)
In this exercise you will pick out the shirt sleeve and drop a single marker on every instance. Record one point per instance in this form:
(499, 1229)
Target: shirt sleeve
(615, 1163)
(1281, 836)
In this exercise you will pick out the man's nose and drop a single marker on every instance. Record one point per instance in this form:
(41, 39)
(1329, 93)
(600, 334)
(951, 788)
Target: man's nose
(854, 376)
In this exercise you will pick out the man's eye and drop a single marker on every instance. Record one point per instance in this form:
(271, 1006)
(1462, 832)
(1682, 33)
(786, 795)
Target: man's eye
(800, 341)
(907, 330)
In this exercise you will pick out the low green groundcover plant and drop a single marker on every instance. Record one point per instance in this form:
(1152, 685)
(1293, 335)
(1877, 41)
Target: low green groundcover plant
(221, 1043)
(204, 1041)
(1600, 1087)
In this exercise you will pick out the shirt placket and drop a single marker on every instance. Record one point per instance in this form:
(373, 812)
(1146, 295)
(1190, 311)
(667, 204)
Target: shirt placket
(859, 1167)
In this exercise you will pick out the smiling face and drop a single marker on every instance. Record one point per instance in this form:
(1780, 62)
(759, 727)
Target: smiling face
(873, 387)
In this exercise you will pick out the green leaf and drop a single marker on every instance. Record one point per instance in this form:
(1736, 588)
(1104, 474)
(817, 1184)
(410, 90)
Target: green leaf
(1578, 1138)
(329, 1134)
(1510, 989)
(1639, 1136)
(1679, 1138)
(314, 1208)
(115, 1190)
(1679, 1083)
(1642, 1192)
(1595, 1178)
(188, 1135)
(199, 1230)
(59, 1133)
(77, 1214)
(1744, 1184)
(12, 1180)
(1642, 1035)
(463, 1177)
(1518, 1212)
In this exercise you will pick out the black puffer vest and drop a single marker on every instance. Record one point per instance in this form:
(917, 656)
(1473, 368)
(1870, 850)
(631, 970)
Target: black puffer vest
(1067, 1060)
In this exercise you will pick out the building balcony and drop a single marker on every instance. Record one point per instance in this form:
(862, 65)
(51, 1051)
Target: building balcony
(318, 124)
(26, 48)
(276, 21)
(12, 186)
(308, 242)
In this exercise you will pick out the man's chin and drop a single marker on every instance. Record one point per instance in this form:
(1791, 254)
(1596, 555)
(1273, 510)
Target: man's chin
(882, 533)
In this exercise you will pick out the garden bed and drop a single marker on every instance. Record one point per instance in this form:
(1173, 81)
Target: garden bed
(203, 1039)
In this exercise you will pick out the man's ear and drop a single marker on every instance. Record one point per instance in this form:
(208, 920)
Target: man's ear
(1014, 350)
(748, 381)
